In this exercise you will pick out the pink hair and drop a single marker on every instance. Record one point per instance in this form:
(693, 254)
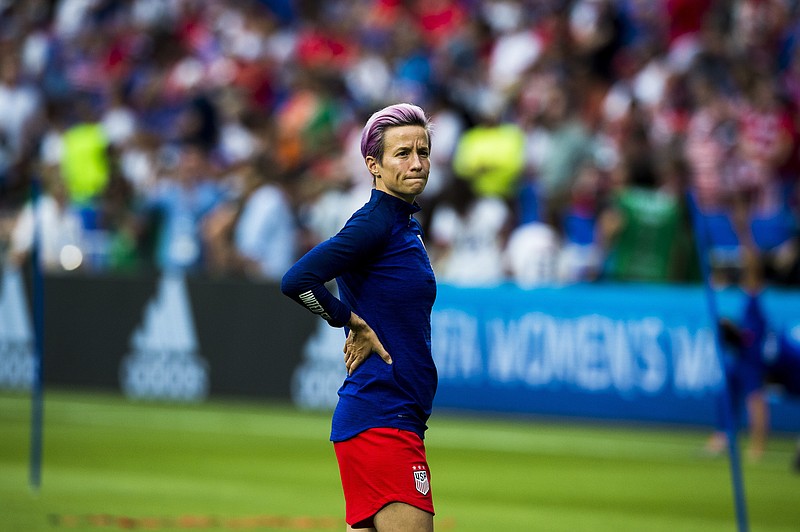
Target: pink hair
(400, 114)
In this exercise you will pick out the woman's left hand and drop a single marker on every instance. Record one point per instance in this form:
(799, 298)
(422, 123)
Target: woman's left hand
(361, 342)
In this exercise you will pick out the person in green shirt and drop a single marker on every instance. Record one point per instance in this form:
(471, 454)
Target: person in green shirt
(644, 232)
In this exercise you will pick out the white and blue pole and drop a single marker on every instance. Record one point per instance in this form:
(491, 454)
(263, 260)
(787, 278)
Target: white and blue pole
(702, 239)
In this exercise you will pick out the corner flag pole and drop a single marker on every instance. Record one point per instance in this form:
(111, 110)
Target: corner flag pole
(703, 238)
(37, 390)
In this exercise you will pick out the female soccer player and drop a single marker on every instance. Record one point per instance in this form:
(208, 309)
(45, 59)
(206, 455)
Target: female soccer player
(387, 289)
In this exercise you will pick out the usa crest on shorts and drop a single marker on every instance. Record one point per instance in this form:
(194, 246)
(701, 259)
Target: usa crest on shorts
(421, 481)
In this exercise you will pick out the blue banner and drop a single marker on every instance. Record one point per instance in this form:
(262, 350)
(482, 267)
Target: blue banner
(628, 352)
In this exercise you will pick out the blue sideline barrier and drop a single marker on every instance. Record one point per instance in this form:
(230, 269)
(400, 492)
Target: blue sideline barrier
(617, 352)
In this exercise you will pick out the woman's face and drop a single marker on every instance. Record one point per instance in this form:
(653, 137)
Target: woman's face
(404, 170)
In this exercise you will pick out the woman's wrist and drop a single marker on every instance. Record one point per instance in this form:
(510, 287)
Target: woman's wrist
(356, 323)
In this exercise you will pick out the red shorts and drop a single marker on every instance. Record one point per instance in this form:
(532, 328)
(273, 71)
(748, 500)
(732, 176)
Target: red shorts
(381, 466)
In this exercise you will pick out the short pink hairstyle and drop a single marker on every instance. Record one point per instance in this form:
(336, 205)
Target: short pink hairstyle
(400, 114)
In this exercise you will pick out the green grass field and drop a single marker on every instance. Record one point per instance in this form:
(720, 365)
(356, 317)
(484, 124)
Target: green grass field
(110, 465)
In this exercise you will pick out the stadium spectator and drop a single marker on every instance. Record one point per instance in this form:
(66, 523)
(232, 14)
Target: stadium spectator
(642, 231)
(254, 235)
(84, 159)
(387, 290)
(468, 233)
(490, 156)
(178, 205)
(685, 19)
(450, 126)
(22, 108)
(580, 257)
(118, 243)
(708, 148)
(532, 255)
(517, 46)
(557, 144)
(766, 138)
(596, 28)
(59, 226)
(118, 119)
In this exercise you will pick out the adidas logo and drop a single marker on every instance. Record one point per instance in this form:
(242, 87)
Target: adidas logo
(16, 334)
(316, 380)
(163, 362)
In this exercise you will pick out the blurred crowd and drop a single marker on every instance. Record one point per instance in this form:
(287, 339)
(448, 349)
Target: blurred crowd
(574, 140)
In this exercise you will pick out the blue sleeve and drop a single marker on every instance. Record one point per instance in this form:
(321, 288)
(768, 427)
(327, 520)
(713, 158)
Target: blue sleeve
(353, 247)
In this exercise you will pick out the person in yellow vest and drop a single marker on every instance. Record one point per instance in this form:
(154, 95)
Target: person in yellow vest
(85, 164)
(491, 156)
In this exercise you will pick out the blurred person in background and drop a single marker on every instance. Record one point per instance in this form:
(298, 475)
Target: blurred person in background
(387, 289)
(642, 231)
(709, 148)
(596, 28)
(580, 257)
(85, 159)
(743, 339)
(118, 118)
(532, 255)
(558, 145)
(119, 244)
(55, 222)
(178, 204)
(754, 352)
(450, 125)
(22, 108)
(782, 361)
(490, 155)
(471, 220)
(255, 235)
(765, 145)
(305, 122)
(684, 20)
(468, 233)
(782, 357)
(778, 363)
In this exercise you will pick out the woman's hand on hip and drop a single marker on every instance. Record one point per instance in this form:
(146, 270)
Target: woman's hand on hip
(361, 342)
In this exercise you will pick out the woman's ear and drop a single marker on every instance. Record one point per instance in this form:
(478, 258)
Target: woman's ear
(373, 166)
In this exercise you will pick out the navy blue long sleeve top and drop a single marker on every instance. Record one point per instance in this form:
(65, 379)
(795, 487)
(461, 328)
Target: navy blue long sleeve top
(384, 275)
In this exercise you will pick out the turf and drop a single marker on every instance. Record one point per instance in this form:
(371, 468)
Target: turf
(110, 464)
